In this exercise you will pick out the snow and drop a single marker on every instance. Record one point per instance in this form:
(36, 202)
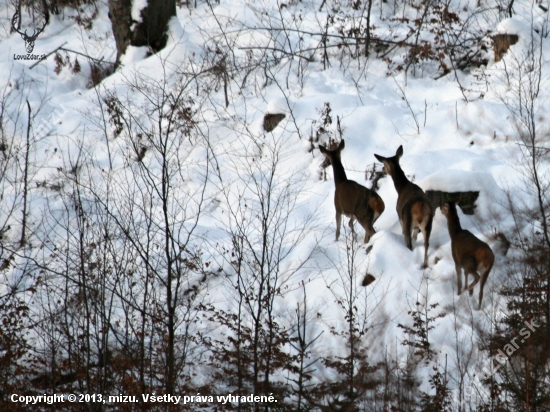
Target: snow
(449, 145)
(133, 55)
(514, 26)
(279, 105)
(137, 6)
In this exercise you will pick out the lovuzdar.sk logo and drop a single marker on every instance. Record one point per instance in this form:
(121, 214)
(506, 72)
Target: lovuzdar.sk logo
(29, 39)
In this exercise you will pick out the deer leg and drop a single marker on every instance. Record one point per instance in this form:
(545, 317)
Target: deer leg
(369, 231)
(426, 246)
(365, 220)
(474, 282)
(459, 278)
(426, 232)
(406, 227)
(484, 277)
(415, 233)
(350, 224)
(368, 235)
(408, 239)
(338, 224)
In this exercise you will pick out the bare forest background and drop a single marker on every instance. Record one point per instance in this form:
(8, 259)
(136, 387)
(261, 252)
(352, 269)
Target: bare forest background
(167, 225)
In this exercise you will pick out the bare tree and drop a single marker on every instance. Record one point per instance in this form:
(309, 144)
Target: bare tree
(19, 223)
(151, 28)
(521, 383)
(263, 218)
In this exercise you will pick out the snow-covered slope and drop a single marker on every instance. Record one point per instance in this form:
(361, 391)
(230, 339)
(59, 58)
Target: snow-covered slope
(456, 130)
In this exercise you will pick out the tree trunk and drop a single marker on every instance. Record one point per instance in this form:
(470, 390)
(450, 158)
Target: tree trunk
(150, 31)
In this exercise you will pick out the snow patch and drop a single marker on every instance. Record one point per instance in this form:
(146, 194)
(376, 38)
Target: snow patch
(278, 105)
(513, 25)
(137, 6)
(133, 55)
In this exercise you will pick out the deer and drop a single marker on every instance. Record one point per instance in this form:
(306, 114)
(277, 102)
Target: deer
(470, 254)
(29, 40)
(414, 209)
(352, 199)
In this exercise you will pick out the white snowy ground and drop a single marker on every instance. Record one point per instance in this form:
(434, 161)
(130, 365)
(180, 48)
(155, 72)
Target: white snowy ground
(457, 146)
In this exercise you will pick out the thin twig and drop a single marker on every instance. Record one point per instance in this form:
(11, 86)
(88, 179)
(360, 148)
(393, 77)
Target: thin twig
(75, 52)
(456, 114)
(49, 54)
(87, 56)
(425, 111)
(408, 105)
(26, 178)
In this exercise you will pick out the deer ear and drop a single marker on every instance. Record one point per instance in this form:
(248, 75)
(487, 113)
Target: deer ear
(399, 152)
(342, 145)
(379, 158)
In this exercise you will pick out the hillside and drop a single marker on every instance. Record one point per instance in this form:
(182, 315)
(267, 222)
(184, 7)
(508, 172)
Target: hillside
(157, 239)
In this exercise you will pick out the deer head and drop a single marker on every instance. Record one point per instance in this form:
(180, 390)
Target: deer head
(414, 209)
(331, 152)
(471, 255)
(29, 40)
(390, 163)
(352, 199)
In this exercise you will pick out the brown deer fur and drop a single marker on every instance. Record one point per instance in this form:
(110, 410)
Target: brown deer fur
(352, 199)
(469, 253)
(413, 206)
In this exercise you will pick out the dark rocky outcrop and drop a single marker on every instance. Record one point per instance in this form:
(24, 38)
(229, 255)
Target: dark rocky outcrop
(502, 42)
(271, 120)
(466, 200)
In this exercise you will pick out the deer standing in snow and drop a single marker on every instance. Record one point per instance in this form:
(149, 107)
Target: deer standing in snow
(469, 253)
(352, 199)
(413, 207)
